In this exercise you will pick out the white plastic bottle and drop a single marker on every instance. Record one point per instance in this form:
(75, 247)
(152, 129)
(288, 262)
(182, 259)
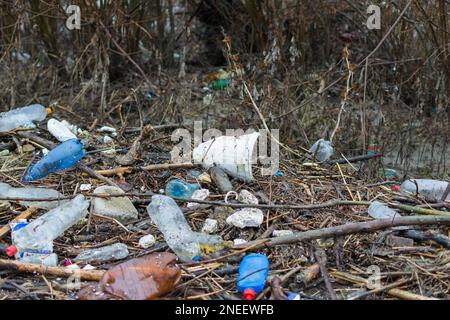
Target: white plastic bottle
(22, 117)
(32, 193)
(115, 251)
(428, 188)
(51, 225)
(170, 220)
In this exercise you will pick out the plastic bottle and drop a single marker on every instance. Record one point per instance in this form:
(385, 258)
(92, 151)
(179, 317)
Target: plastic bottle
(115, 251)
(59, 130)
(170, 220)
(179, 188)
(23, 117)
(7, 191)
(428, 188)
(62, 157)
(322, 150)
(379, 210)
(253, 272)
(38, 233)
(44, 255)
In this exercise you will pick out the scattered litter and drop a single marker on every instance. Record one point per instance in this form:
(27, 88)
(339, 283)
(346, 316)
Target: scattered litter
(179, 188)
(23, 117)
(253, 272)
(247, 217)
(32, 193)
(210, 226)
(321, 150)
(147, 241)
(120, 208)
(379, 210)
(110, 130)
(116, 251)
(428, 188)
(59, 130)
(85, 187)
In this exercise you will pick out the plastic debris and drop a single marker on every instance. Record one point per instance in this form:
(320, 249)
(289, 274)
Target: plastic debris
(32, 193)
(247, 197)
(220, 84)
(23, 117)
(179, 188)
(144, 278)
(322, 150)
(428, 188)
(210, 226)
(110, 130)
(247, 217)
(85, 187)
(379, 210)
(238, 241)
(253, 271)
(107, 139)
(278, 174)
(64, 156)
(42, 231)
(116, 251)
(147, 241)
(282, 233)
(201, 194)
(120, 208)
(231, 154)
(170, 220)
(59, 130)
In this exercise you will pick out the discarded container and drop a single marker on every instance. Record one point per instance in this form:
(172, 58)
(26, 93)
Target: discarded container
(38, 193)
(247, 217)
(428, 188)
(60, 131)
(23, 117)
(253, 272)
(234, 155)
(42, 256)
(170, 220)
(116, 251)
(379, 210)
(321, 150)
(220, 84)
(179, 188)
(38, 233)
(64, 156)
(144, 278)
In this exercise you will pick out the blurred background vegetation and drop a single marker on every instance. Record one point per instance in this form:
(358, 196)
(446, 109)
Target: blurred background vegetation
(158, 55)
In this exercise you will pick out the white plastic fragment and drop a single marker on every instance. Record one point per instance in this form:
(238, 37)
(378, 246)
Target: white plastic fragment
(147, 241)
(247, 197)
(59, 130)
(201, 194)
(110, 130)
(247, 217)
(238, 241)
(322, 150)
(107, 139)
(210, 226)
(282, 233)
(85, 187)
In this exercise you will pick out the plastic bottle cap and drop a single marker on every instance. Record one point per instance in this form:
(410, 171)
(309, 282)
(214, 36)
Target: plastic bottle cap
(396, 188)
(49, 110)
(11, 251)
(249, 294)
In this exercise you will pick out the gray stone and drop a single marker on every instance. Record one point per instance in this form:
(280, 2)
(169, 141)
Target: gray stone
(120, 208)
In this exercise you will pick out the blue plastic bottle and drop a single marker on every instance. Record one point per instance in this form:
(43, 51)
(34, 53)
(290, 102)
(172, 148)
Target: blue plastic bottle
(64, 156)
(179, 188)
(252, 277)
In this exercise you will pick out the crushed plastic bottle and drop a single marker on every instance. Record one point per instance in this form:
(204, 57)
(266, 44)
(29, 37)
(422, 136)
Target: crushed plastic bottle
(38, 193)
(144, 278)
(253, 272)
(64, 156)
(179, 188)
(23, 117)
(428, 188)
(379, 210)
(42, 256)
(60, 130)
(170, 220)
(116, 251)
(38, 233)
(322, 150)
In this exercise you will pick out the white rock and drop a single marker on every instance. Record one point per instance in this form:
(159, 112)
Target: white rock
(282, 233)
(247, 197)
(107, 129)
(107, 139)
(59, 130)
(210, 226)
(247, 217)
(201, 194)
(147, 241)
(4, 153)
(238, 241)
(120, 208)
(85, 187)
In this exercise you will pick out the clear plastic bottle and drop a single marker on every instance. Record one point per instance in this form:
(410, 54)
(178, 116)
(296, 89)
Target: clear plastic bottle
(22, 117)
(321, 150)
(179, 188)
(379, 210)
(7, 191)
(428, 188)
(64, 156)
(116, 251)
(38, 233)
(170, 220)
